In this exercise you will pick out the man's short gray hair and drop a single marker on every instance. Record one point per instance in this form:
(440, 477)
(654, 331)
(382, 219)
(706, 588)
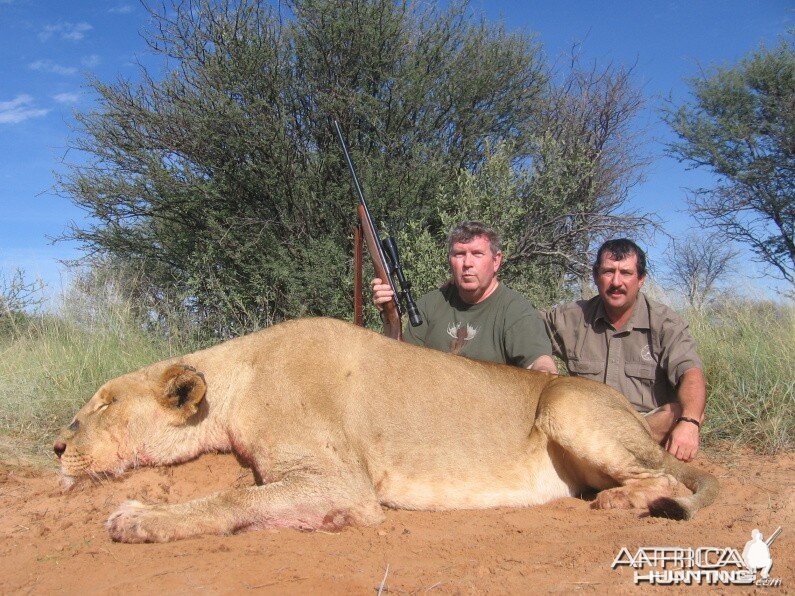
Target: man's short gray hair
(467, 231)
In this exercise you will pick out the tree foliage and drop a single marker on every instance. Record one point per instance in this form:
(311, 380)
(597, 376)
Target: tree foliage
(740, 125)
(697, 265)
(587, 160)
(222, 182)
(19, 297)
(554, 208)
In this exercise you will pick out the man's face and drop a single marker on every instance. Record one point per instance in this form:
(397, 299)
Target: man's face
(618, 282)
(474, 267)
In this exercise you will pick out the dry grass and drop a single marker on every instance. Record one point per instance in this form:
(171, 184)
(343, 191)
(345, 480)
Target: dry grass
(748, 350)
(50, 364)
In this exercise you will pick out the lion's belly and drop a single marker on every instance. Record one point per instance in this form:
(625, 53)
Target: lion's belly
(512, 486)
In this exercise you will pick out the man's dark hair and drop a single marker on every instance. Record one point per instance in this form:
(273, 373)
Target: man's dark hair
(467, 231)
(620, 249)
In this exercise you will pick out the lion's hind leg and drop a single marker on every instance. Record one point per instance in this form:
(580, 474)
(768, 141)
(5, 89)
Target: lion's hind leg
(604, 445)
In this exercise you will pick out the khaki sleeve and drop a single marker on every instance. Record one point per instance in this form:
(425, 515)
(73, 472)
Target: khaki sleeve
(678, 349)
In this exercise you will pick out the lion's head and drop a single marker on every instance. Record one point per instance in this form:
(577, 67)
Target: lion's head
(130, 421)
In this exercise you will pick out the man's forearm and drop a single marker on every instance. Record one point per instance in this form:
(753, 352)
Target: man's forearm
(387, 327)
(692, 394)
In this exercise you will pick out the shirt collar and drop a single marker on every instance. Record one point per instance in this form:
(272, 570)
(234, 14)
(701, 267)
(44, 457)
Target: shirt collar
(638, 320)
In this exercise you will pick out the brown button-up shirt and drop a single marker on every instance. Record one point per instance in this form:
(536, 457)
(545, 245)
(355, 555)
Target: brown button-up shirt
(644, 360)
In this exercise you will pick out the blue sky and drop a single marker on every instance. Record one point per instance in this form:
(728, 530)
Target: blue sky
(49, 48)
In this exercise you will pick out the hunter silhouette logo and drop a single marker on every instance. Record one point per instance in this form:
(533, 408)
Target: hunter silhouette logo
(756, 553)
(703, 565)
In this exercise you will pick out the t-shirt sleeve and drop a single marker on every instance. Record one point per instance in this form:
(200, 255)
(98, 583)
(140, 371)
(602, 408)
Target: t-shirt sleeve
(526, 339)
(417, 335)
(678, 348)
(552, 320)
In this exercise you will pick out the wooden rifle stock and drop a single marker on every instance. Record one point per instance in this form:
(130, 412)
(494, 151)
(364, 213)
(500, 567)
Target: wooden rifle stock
(358, 306)
(391, 312)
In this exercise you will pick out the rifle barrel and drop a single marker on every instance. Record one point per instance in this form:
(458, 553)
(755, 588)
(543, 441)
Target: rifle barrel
(772, 538)
(360, 192)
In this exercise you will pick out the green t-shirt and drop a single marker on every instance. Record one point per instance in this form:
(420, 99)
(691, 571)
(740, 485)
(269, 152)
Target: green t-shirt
(504, 328)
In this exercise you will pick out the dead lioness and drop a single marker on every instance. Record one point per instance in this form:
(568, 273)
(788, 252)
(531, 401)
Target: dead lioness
(336, 421)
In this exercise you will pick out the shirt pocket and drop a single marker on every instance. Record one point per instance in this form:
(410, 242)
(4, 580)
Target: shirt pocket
(641, 371)
(590, 369)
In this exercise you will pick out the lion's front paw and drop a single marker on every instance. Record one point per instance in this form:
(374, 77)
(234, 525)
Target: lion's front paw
(136, 522)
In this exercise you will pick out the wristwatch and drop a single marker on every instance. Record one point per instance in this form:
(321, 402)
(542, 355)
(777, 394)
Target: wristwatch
(688, 419)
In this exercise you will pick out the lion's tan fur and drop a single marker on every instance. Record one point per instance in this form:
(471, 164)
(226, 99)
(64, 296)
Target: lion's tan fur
(336, 421)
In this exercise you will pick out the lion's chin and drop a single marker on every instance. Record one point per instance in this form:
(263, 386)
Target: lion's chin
(67, 482)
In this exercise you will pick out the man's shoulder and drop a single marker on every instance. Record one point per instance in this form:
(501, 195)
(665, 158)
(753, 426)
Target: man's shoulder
(578, 310)
(661, 314)
(438, 295)
(513, 303)
(510, 295)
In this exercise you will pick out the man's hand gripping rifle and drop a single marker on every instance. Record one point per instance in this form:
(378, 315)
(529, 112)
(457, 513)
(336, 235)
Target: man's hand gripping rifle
(385, 257)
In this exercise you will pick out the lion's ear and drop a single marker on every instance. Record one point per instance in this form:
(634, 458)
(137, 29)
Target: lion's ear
(183, 388)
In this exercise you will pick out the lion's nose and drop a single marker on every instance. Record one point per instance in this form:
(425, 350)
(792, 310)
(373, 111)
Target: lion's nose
(59, 448)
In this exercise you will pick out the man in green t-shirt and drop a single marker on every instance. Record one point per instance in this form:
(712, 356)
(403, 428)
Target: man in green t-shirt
(473, 314)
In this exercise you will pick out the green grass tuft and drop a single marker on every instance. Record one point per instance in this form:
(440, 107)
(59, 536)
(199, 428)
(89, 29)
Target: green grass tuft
(51, 364)
(748, 349)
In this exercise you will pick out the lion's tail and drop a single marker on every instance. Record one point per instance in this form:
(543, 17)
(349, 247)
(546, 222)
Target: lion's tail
(703, 484)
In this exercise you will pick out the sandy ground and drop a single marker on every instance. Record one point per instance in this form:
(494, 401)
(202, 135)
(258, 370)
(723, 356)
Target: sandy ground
(54, 542)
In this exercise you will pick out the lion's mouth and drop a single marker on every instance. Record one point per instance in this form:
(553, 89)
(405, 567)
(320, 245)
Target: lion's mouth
(71, 478)
(67, 482)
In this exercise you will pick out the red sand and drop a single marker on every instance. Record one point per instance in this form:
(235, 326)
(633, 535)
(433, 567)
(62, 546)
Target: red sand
(55, 542)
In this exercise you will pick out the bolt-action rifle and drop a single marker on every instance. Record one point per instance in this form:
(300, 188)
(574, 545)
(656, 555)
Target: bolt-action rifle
(385, 257)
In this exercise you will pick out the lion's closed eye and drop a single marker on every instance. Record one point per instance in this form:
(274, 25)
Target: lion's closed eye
(104, 405)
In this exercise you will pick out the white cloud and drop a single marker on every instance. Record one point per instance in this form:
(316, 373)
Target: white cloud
(121, 9)
(90, 61)
(68, 98)
(50, 66)
(68, 31)
(19, 109)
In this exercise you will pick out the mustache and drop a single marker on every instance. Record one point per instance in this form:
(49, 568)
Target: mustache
(616, 289)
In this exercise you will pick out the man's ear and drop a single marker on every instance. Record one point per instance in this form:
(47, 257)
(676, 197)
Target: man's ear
(182, 389)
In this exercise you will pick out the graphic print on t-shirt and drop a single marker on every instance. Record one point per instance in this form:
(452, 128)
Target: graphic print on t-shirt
(461, 334)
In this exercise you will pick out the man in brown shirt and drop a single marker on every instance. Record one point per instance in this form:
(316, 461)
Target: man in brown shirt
(638, 346)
